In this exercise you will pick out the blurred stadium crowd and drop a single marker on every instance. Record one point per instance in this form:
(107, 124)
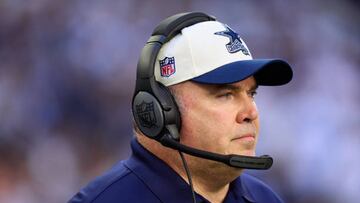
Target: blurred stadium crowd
(67, 70)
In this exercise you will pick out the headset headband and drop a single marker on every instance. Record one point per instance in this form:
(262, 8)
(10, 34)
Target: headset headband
(154, 109)
(166, 30)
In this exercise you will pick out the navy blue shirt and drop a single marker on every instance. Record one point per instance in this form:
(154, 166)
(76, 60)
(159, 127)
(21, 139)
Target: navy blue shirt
(145, 178)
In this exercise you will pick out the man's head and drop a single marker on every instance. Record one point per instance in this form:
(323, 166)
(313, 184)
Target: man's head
(210, 71)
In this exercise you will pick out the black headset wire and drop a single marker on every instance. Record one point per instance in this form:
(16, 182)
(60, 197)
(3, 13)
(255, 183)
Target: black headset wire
(188, 175)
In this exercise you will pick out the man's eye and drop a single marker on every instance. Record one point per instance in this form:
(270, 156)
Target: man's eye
(252, 94)
(226, 95)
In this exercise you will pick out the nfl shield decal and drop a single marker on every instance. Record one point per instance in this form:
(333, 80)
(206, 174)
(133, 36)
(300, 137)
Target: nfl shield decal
(167, 66)
(146, 114)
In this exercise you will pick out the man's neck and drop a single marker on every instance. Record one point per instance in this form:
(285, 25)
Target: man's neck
(210, 179)
(211, 192)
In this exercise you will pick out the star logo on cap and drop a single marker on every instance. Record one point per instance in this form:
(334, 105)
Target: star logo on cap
(235, 43)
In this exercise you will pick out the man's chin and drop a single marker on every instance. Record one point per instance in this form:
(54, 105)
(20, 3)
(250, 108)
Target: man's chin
(247, 153)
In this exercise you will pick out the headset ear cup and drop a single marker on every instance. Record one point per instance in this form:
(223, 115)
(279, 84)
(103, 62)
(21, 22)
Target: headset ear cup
(154, 118)
(148, 114)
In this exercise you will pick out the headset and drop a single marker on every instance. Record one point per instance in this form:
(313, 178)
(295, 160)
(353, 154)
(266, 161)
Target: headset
(154, 108)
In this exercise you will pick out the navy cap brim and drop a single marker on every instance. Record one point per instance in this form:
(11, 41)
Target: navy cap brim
(268, 72)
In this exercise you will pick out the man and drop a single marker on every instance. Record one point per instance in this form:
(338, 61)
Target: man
(213, 79)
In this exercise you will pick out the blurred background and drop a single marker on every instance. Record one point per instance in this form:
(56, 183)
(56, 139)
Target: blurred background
(67, 72)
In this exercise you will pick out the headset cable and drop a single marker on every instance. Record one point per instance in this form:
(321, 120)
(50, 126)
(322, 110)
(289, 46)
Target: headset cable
(188, 175)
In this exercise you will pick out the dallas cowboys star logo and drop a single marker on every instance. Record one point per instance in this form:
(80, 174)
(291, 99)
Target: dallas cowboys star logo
(235, 43)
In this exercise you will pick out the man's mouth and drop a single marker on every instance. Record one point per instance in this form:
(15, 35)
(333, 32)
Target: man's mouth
(245, 137)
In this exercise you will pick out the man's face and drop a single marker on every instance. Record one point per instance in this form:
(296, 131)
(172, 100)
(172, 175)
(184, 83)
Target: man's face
(219, 118)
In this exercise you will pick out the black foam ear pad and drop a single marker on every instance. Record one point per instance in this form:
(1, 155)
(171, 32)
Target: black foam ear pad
(171, 110)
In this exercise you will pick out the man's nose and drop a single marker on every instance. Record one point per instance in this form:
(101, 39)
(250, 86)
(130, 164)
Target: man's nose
(247, 110)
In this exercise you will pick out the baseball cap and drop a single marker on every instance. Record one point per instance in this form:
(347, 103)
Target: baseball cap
(212, 53)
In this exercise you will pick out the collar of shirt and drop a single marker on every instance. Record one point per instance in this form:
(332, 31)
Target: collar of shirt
(166, 184)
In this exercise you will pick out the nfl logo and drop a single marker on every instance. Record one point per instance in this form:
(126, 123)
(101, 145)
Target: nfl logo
(146, 114)
(167, 66)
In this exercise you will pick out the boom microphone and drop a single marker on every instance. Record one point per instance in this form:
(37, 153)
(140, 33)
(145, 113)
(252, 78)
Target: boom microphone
(238, 161)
